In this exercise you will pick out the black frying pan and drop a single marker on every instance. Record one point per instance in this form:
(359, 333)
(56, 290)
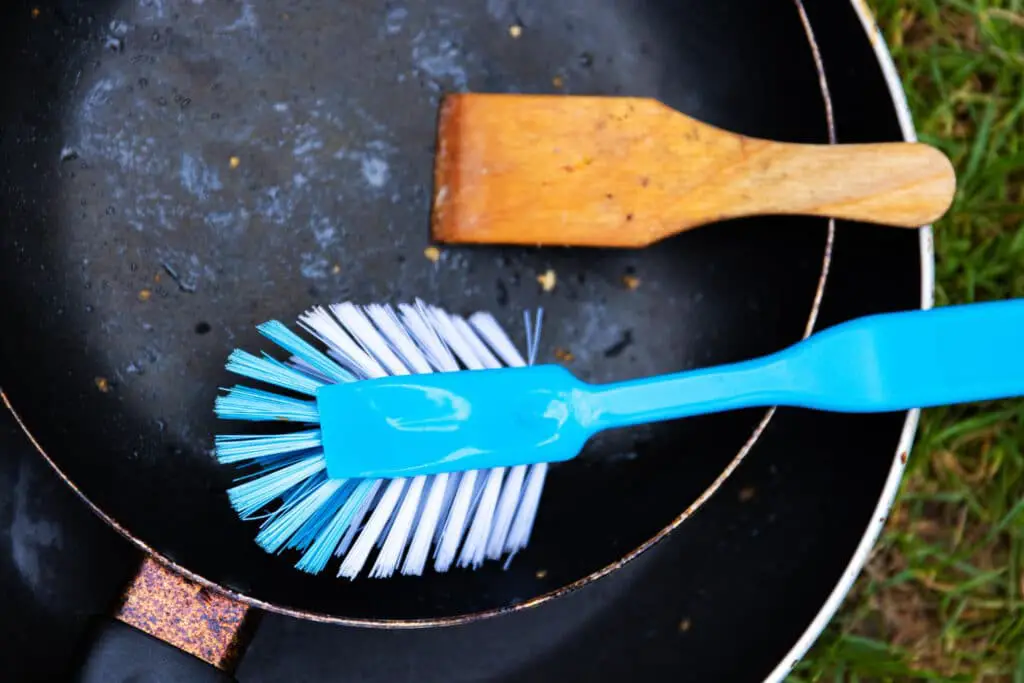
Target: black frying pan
(119, 121)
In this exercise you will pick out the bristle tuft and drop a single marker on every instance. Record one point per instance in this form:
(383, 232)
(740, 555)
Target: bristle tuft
(288, 340)
(475, 547)
(419, 548)
(282, 528)
(455, 524)
(326, 328)
(251, 496)
(256, 405)
(231, 448)
(507, 504)
(401, 526)
(319, 553)
(356, 557)
(271, 371)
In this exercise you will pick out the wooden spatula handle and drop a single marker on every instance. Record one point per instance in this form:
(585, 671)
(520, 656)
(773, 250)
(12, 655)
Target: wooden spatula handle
(902, 184)
(625, 172)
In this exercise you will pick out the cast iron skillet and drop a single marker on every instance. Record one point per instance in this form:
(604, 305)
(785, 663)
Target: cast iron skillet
(134, 259)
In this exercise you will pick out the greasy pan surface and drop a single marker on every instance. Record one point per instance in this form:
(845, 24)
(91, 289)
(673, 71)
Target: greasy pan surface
(116, 156)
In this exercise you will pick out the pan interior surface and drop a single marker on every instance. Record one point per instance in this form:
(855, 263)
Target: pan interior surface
(178, 171)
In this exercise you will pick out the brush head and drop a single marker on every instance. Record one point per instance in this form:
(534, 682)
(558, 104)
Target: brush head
(428, 424)
(288, 482)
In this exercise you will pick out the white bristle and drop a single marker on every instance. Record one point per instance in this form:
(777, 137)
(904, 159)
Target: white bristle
(320, 323)
(391, 327)
(474, 549)
(369, 337)
(418, 515)
(454, 480)
(442, 322)
(455, 524)
(426, 336)
(519, 535)
(473, 339)
(398, 536)
(356, 557)
(382, 536)
(357, 520)
(419, 548)
(389, 525)
(490, 331)
(507, 504)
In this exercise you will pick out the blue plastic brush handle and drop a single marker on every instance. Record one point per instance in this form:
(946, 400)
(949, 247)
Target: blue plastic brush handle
(878, 363)
(423, 424)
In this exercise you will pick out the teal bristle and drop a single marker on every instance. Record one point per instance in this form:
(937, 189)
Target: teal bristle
(231, 448)
(288, 340)
(251, 496)
(272, 371)
(319, 554)
(256, 405)
(283, 529)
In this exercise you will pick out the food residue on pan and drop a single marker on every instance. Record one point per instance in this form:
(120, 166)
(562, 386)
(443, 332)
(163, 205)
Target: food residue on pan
(541, 573)
(145, 294)
(631, 282)
(102, 384)
(234, 162)
(547, 280)
(685, 625)
(564, 355)
(515, 30)
(747, 494)
(432, 254)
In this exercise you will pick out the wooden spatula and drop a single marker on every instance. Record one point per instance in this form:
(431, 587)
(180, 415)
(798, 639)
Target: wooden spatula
(626, 172)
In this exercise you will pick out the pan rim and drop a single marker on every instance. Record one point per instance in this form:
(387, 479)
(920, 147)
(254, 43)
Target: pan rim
(897, 469)
(539, 599)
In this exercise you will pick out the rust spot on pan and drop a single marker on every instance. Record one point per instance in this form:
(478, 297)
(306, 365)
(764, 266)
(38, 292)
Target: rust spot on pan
(182, 613)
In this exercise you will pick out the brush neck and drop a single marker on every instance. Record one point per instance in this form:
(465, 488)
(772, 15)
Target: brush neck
(748, 384)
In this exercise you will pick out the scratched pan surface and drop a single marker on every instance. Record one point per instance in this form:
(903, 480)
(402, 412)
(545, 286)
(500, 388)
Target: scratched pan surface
(136, 254)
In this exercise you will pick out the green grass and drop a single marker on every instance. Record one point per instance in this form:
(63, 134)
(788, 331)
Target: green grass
(941, 598)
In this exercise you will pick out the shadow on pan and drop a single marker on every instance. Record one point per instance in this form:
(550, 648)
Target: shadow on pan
(135, 258)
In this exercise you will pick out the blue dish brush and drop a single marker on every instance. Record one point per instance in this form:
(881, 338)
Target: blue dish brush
(464, 518)
(406, 426)
(390, 428)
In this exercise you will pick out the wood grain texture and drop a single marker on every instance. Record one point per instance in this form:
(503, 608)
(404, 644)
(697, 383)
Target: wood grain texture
(626, 172)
